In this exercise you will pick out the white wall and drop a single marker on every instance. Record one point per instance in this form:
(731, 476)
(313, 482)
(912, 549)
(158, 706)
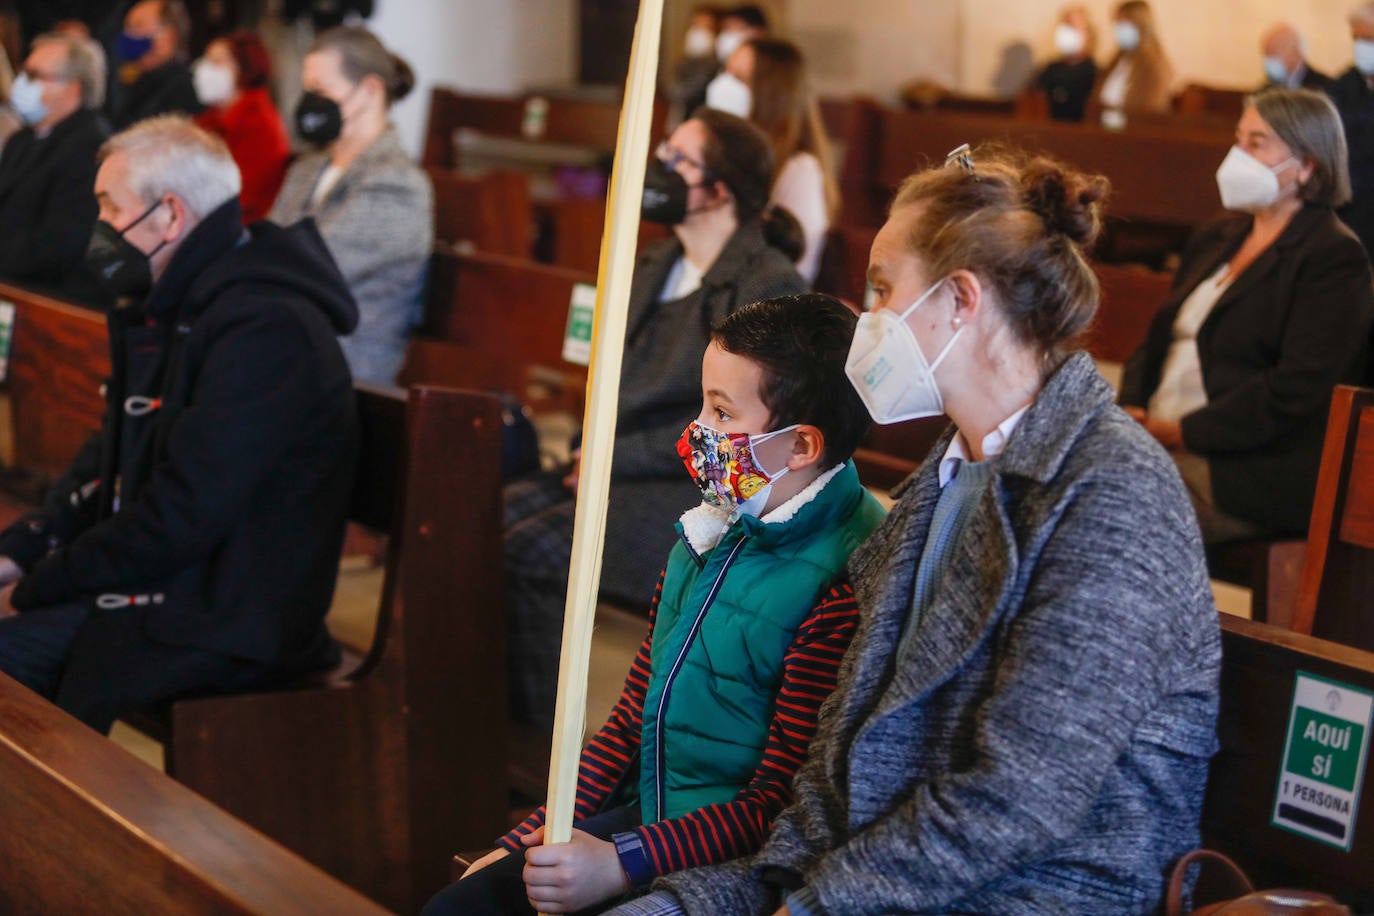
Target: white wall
(476, 45)
(874, 46)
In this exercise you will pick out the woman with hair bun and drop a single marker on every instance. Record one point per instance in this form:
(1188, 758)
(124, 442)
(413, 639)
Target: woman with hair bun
(1023, 721)
(372, 204)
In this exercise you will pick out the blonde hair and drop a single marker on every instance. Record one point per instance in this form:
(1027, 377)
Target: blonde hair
(1151, 73)
(785, 109)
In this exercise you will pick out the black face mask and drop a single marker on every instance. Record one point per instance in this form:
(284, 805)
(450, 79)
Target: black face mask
(123, 270)
(318, 119)
(665, 194)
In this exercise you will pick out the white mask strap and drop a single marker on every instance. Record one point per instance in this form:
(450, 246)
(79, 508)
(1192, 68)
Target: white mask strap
(924, 296)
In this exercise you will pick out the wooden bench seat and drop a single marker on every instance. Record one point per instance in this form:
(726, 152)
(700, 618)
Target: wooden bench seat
(91, 829)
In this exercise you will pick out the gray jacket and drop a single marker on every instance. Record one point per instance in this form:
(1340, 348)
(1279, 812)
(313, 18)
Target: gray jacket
(1049, 752)
(378, 221)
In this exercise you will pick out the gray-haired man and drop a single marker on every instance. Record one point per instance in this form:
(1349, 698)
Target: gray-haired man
(193, 544)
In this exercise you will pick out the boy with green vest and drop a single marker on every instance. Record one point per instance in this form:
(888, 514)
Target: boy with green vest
(752, 616)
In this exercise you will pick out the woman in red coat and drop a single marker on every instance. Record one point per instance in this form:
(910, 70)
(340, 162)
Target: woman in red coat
(231, 81)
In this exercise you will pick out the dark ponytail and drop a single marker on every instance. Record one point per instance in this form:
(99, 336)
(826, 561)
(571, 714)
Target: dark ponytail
(782, 231)
(738, 154)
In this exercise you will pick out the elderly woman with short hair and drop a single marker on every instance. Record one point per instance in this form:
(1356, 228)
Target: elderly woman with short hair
(1271, 308)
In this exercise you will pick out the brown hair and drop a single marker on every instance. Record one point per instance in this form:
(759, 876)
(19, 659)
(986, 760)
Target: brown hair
(1151, 73)
(1021, 225)
(362, 54)
(785, 109)
(737, 154)
(1308, 122)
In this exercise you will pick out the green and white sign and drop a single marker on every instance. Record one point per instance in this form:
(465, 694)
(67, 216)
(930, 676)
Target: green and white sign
(1323, 760)
(577, 337)
(6, 336)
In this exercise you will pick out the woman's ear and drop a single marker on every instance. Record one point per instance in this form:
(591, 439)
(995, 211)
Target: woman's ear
(968, 296)
(808, 446)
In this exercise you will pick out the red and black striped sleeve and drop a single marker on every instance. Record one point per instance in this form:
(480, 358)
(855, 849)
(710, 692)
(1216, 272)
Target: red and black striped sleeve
(728, 830)
(609, 753)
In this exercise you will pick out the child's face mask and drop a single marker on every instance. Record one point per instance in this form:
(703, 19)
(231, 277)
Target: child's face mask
(726, 467)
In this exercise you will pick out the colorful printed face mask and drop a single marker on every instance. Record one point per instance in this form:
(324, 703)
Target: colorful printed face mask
(726, 467)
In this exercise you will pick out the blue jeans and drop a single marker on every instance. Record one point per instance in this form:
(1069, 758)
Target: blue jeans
(98, 664)
(499, 888)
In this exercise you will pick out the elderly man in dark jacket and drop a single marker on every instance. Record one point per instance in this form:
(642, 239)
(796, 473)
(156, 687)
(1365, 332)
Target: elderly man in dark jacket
(47, 207)
(193, 544)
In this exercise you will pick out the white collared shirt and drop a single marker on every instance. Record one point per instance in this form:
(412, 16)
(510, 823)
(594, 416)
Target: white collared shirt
(993, 443)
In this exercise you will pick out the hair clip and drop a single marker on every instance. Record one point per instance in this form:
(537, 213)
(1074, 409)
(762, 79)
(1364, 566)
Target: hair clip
(961, 156)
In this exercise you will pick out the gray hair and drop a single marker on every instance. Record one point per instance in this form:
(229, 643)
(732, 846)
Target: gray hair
(85, 64)
(170, 155)
(1308, 122)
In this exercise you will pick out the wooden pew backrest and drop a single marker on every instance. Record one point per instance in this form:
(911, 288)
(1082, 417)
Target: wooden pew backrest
(515, 311)
(381, 776)
(1336, 596)
(1160, 176)
(59, 359)
(1130, 298)
(489, 212)
(1259, 665)
(91, 828)
(569, 121)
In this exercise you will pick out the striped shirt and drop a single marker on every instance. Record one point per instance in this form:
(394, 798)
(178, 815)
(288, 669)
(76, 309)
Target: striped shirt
(728, 830)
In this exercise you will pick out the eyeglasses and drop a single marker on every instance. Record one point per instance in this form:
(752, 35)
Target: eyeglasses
(670, 156)
(962, 157)
(35, 76)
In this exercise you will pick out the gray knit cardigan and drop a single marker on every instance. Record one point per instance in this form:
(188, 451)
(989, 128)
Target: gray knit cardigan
(1046, 748)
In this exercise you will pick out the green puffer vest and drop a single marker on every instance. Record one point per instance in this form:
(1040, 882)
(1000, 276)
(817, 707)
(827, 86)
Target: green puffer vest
(725, 619)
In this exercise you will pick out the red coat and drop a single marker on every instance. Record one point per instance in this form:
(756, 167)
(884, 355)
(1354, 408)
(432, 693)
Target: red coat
(257, 139)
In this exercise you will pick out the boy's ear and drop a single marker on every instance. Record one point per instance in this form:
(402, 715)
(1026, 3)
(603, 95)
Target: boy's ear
(807, 447)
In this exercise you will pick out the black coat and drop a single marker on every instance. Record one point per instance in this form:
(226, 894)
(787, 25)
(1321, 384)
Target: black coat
(1355, 101)
(214, 498)
(1293, 325)
(166, 90)
(47, 204)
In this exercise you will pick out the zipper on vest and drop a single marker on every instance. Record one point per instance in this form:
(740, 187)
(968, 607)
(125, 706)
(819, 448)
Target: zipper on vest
(677, 667)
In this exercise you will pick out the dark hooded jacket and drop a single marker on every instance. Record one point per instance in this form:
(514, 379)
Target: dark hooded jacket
(214, 498)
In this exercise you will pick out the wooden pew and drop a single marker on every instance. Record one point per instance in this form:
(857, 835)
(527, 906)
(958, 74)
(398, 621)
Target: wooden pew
(1336, 596)
(91, 829)
(539, 134)
(590, 123)
(1131, 296)
(359, 770)
(59, 359)
(1160, 176)
(1260, 663)
(852, 125)
(488, 212)
(514, 311)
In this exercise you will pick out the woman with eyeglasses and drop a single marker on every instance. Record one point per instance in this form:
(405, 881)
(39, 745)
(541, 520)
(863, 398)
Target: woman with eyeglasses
(710, 183)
